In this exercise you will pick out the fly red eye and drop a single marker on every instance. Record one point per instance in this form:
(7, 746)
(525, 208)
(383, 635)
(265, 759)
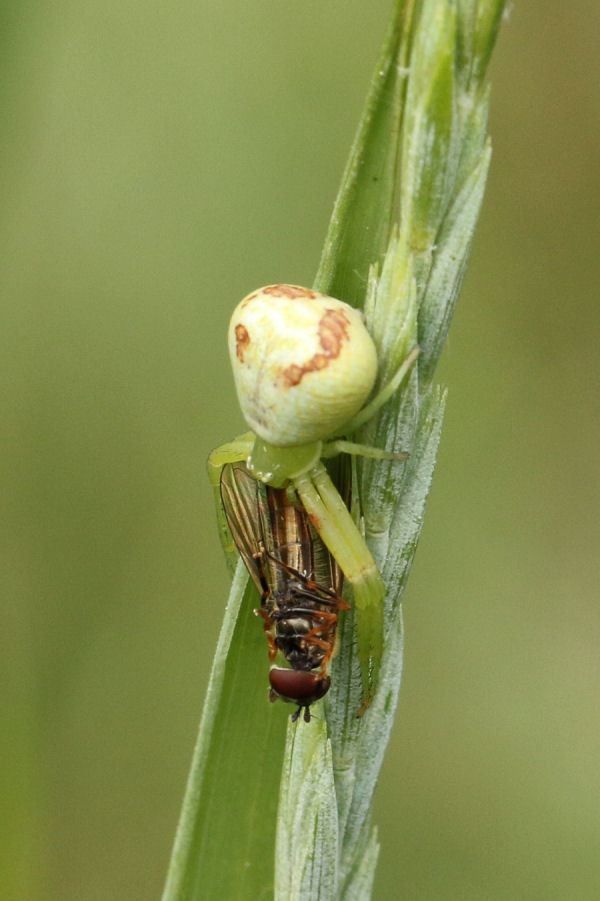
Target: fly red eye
(298, 685)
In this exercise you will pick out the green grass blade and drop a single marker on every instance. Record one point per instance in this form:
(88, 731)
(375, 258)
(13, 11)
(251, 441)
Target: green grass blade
(226, 835)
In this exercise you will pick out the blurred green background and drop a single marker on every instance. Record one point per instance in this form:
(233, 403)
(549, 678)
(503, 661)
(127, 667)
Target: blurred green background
(159, 161)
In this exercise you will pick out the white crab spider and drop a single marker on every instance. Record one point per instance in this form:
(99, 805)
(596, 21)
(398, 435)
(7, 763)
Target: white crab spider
(304, 365)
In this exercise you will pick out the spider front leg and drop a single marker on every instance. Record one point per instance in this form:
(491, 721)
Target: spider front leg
(341, 446)
(235, 451)
(338, 531)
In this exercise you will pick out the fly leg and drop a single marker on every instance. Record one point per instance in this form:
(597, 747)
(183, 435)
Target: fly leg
(268, 627)
(268, 623)
(310, 584)
(327, 621)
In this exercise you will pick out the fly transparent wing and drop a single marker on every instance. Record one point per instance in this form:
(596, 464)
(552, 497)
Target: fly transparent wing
(288, 537)
(241, 497)
(269, 530)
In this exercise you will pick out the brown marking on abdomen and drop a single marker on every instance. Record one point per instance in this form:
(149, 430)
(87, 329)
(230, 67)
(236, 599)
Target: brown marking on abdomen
(242, 340)
(290, 291)
(333, 331)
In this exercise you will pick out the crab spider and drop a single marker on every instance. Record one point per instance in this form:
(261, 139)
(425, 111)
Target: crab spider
(304, 365)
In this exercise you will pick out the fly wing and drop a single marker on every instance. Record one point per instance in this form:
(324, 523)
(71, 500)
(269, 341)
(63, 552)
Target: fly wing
(262, 517)
(287, 534)
(241, 498)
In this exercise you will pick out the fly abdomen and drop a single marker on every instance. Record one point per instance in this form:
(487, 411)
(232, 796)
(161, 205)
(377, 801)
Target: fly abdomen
(293, 626)
(291, 630)
(304, 635)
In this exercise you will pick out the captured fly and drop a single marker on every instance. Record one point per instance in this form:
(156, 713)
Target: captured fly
(299, 581)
